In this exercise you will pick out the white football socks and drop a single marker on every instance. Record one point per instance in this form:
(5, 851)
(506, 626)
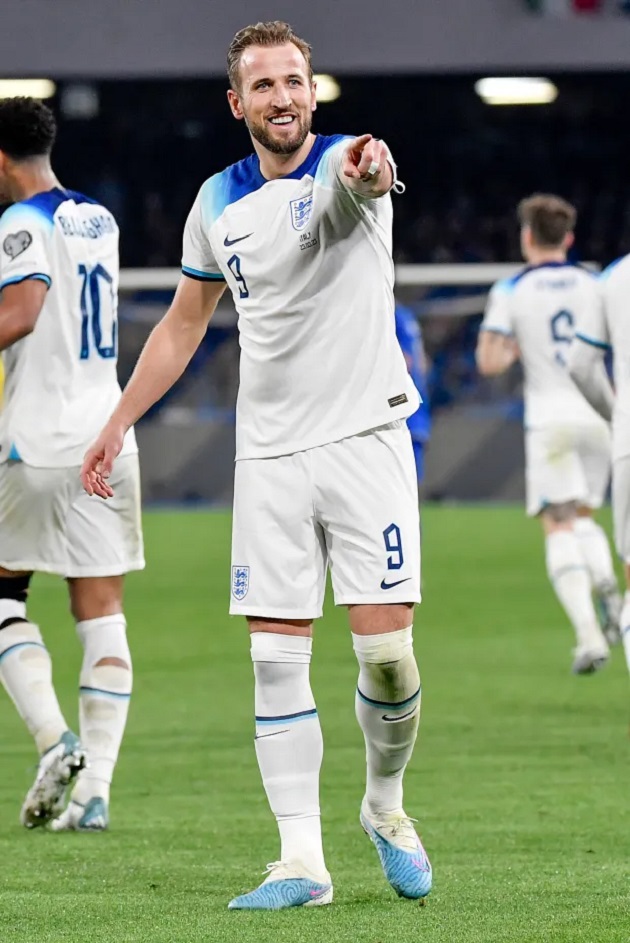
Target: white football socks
(26, 673)
(103, 702)
(625, 627)
(571, 581)
(388, 710)
(596, 552)
(289, 744)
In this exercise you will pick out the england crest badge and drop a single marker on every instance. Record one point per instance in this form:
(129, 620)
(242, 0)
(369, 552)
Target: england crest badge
(301, 210)
(240, 581)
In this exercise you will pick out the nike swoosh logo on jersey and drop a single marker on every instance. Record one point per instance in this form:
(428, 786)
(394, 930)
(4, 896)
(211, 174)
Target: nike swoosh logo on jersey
(393, 720)
(231, 242)
(274, 733)
(385, 585)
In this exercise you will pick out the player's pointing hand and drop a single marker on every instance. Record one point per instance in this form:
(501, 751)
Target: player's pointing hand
(365, 158)
(99, 460)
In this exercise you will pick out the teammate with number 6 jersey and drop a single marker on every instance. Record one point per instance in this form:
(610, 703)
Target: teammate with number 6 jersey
(58, 331)
(567, 445)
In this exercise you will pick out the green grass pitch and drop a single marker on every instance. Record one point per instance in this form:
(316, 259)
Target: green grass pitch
(520, 780)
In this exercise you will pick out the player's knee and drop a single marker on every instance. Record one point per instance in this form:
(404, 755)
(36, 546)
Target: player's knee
(388, 660)
(562, 513)
(95, 598)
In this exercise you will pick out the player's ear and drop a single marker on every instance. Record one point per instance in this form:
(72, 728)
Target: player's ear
(569, 239)
(235, 104)
(313, 95)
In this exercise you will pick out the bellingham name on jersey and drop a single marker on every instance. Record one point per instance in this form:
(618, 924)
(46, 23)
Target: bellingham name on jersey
(309, 263)
(61, 384)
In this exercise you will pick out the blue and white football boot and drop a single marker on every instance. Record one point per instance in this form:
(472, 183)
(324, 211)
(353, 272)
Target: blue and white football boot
(57, 768)
(400, 850)
(91, 817)
(288, 884)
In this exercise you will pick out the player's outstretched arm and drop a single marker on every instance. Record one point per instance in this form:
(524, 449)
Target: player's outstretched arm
(495, 353)
(19, 309)
(366, 167)
(587, 369)
(165, 356)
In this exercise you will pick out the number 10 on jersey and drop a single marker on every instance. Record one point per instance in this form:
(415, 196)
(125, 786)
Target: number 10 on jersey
(98, 312)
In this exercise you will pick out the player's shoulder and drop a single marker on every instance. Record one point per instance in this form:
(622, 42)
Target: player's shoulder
(505, 287)
(43, 207)
(616, 271)
(238, 181)
(550, 275)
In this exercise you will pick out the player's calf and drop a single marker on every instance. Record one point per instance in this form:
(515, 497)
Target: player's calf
(571, 581)
(388, 711)
(25, 665)
(105, 690)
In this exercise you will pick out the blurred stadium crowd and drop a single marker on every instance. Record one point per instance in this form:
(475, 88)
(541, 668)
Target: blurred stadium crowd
(143, 148)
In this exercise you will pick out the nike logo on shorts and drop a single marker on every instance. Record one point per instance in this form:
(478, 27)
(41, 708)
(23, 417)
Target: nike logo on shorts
(274, 733)
(385, 585)
(231, 242)
(393, 720)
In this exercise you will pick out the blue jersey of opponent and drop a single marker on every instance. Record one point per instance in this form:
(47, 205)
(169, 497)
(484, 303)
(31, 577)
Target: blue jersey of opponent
(410, 339)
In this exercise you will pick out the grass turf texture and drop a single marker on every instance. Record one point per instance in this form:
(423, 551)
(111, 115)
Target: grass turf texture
(520, 780)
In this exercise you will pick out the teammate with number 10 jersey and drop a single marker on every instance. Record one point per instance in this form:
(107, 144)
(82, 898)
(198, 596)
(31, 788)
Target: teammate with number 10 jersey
(533, 316)
(58, 331)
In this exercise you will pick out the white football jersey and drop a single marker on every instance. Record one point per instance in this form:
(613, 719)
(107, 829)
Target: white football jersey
(310, 267)
(60, 381)
(606, 324)
(541, 307)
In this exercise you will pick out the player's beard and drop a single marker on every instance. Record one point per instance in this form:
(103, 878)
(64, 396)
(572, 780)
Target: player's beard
(290, 145)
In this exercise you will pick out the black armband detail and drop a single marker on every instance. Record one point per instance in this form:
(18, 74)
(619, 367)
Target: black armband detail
(15, 587)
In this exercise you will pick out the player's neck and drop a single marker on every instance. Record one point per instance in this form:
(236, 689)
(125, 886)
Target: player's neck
(542, 256)
(32, 179)
(273, 166)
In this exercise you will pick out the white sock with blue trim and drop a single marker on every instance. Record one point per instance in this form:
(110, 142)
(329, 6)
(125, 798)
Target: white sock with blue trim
(26, 673)
(570, 577)
(106, 681)
(289, 744)
(388, 710)
(625, 626)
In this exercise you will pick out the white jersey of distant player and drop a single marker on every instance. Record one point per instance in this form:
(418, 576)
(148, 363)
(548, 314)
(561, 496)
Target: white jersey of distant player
(310, 267)
(541, 307)
(607, 324)
(61, 384)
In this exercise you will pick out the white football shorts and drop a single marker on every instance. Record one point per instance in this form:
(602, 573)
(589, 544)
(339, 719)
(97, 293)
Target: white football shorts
(50, 525)
(350, 505)
(567, 463)
(621, 506)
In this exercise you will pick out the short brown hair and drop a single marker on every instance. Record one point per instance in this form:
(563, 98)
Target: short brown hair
(273, 33)
(549, 217)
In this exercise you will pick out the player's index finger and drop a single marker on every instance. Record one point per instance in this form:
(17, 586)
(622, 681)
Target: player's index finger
(360, 142)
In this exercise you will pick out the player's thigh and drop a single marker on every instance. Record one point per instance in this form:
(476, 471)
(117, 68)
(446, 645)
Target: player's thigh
(278, 549)
(553, 470)
(367, 501)
(105, 537)
(621, 506)
(34, 506)
(594, 450)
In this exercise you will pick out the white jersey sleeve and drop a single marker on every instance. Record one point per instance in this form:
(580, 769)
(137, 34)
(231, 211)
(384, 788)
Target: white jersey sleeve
(592, 327)
(498, 317)
(198, 260)
(331, 169)
(25, 237)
